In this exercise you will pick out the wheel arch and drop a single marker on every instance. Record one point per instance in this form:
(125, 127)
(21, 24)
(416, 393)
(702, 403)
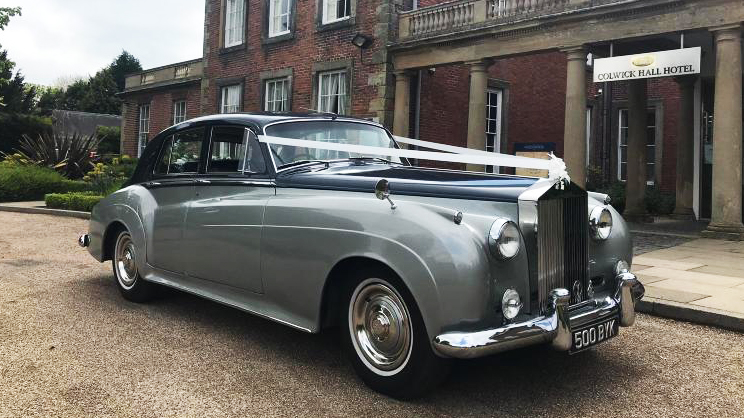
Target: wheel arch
(109, 238)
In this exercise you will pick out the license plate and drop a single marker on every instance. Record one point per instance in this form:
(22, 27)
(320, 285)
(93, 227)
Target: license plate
(591, 335)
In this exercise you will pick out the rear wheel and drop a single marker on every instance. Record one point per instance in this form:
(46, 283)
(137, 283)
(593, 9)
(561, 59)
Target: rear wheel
(130, 283)
(385, 338)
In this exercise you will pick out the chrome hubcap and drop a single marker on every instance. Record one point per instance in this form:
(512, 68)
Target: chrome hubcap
(380, 327)
(126, 262)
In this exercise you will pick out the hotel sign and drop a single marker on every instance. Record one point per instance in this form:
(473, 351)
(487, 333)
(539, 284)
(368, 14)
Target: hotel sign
(650, 65)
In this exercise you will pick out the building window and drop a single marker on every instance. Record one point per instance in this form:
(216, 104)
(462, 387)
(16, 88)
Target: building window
(279, 14)
(494, 100)
(276, 95)
(588, 133)
(179, 112)
(335, 10)
(230, 102)
(234, 22)
(622, 171)
(332, 92)
(144, 128)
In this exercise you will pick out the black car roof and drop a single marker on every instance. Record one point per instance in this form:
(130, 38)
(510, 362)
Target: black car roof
(261, 119)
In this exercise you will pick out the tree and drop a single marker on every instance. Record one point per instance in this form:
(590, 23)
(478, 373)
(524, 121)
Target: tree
(6, 66)
(14, 96)
(124, 64)
(100, 96)
(6, 13)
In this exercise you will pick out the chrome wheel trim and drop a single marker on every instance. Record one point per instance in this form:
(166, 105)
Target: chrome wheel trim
(125, 261)
(380, 327)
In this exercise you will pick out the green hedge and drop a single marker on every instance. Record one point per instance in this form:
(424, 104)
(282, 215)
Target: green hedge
(83, 202)
(25, 183)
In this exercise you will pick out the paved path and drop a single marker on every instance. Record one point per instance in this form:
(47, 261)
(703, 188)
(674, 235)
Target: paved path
(702, 274)
(70, 346)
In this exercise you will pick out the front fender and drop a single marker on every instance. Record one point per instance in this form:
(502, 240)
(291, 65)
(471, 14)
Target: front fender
(306, 234)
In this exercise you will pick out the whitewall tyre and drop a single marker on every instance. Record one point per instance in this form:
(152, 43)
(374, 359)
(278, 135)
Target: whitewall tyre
(128, 280)
(385, 338)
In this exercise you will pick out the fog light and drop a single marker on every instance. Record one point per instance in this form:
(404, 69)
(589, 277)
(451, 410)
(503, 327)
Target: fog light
(621, 267)
(511, 304)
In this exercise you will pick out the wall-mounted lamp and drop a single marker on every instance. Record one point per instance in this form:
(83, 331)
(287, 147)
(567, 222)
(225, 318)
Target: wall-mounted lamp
(362, 42)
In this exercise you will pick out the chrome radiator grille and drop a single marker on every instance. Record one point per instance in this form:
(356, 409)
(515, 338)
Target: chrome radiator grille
(562, 245)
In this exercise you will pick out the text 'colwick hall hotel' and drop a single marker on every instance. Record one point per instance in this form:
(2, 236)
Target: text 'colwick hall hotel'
(513, 76)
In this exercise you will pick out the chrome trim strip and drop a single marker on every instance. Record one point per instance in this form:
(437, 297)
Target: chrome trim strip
(554, 327)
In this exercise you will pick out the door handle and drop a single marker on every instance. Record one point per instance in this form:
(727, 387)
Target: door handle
(200, 181)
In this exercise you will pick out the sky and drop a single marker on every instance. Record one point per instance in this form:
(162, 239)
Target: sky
(58, 39)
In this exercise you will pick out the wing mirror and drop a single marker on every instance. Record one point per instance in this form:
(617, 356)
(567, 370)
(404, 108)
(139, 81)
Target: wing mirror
(382, 191)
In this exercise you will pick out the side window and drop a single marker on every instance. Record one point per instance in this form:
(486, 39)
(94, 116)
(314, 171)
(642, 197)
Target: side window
(181, 153)
(235, 150)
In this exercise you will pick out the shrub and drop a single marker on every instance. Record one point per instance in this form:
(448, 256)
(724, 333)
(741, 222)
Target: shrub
(616, 191)
(83, 202)
(23, 183)
(110, 138)
(14, 126)
(68, 154)
(659, 202)
(107, 178)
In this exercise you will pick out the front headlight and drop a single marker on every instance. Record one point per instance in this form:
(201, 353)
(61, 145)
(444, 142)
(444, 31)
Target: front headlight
(600, 222)
(503, 239)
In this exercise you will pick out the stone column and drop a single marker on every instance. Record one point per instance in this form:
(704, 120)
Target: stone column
(725, 219)
(685, 148)
(477, 109)
(635, 186)
(402, 113)
(574, 134)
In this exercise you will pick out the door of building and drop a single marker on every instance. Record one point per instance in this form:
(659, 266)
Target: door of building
(706, 150)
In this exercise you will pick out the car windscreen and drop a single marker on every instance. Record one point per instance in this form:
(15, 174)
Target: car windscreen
(331, 131)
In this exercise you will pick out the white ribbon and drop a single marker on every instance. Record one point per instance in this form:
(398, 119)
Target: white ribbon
(555, 166)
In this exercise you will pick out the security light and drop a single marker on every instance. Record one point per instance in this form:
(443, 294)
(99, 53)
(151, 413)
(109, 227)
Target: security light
(362, 41)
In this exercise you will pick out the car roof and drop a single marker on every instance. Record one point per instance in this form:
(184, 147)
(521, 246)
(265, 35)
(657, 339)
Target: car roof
(261, 119)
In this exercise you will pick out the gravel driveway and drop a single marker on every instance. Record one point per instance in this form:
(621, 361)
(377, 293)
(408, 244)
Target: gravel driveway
(71, 346)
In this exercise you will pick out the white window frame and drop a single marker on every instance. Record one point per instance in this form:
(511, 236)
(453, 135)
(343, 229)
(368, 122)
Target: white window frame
(274, 96)
(340, 96)
(234, 23)
(276, 17)
(589, 111)
(499, 95)
(326, 4)
(230, 98)
(179, 111)
(143, 131)
(649, 165)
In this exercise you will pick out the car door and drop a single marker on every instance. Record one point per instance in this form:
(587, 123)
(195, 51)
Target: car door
(225, 219)
(172, 188)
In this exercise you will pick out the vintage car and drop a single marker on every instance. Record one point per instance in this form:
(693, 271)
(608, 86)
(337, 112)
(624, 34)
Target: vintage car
(416, 266)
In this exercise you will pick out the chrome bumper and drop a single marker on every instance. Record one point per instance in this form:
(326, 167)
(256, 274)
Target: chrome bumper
(554, 328)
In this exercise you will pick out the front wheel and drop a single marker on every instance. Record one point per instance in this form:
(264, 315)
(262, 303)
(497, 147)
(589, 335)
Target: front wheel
(386, 340)
(130, 283)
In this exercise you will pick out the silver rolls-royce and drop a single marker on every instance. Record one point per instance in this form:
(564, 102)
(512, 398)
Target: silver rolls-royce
(415, 266)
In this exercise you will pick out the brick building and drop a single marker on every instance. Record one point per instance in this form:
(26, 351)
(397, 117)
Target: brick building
(487, 74)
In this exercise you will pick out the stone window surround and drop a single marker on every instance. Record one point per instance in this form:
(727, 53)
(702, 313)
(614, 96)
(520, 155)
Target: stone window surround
(326, 66)
(320, 26)
(503, 85)
(265, 38)
(223, 21)
(231, 81)
(265, 76)
(657, 104)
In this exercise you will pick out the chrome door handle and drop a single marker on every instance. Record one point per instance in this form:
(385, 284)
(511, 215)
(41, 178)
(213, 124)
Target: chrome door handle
(203, 181)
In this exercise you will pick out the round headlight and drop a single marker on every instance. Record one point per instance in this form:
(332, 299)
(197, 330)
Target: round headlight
(511, 304)
(600, 222)
(503, 239)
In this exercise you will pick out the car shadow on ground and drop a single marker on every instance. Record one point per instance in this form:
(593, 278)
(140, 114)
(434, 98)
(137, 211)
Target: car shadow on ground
(510, 380)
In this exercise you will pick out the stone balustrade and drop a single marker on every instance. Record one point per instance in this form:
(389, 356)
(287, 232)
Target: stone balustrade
(466, 14)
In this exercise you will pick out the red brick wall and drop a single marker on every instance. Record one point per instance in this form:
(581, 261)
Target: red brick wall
(161, 112)
(307, 47)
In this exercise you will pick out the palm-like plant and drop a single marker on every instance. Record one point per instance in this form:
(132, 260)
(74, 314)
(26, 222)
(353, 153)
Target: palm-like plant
(70, 155)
